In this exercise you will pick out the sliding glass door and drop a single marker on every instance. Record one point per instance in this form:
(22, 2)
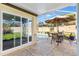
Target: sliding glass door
(8, 32)
(24, 30)
(11, 31)
(16, 31)
(30, 30)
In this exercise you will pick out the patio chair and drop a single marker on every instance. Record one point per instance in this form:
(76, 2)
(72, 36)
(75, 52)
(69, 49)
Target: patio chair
(54, 37)
(49, 35)
(59, 38)
(71, 38)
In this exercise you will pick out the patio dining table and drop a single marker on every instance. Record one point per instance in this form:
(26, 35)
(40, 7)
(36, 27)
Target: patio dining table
(56, 37)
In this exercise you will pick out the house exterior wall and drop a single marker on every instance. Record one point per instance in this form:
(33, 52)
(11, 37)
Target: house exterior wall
(69, 28)
(4, 8)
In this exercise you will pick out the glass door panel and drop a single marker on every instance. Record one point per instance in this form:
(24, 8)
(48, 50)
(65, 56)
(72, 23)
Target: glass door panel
(24, 30)
(17, 30)
(8, 38)
(30, 30)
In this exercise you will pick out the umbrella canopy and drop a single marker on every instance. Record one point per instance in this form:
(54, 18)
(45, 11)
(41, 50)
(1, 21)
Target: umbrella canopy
(57, 20)
(62, 19)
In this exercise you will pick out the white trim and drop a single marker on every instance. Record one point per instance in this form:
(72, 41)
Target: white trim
(1, 31)
(28, 30)
(0, 34)
(21, 33)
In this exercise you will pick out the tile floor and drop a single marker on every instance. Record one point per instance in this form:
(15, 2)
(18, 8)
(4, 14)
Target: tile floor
(44, 48)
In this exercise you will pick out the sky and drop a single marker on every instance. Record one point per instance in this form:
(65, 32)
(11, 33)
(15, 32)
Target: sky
(58, 12)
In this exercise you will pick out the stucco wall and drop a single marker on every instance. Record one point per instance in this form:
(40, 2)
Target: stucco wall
(70, 28)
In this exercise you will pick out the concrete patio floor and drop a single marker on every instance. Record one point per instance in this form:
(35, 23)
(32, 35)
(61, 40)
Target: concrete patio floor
(44, 48)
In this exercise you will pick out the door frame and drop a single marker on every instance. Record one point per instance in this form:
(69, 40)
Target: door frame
(1, 41)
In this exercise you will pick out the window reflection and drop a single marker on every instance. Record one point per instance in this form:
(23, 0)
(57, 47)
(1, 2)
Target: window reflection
(24, 30)
(17, 30)
(8, 37)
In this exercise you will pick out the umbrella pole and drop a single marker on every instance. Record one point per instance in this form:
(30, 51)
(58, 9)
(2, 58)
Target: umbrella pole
(57, 28)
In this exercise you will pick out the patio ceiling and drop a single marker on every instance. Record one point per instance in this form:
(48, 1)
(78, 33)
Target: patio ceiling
(41, 8)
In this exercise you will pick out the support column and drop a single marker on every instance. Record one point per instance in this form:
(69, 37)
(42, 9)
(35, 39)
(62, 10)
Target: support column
(34, 30)
(77, 47)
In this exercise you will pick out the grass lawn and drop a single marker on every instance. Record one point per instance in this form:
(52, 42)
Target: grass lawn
(11, 36)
